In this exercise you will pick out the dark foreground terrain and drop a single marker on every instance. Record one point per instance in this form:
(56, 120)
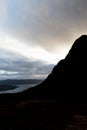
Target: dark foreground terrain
(42, 114)
(58, 103)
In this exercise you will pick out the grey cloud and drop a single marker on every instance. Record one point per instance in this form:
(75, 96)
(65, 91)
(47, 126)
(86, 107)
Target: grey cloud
(17, 66)
(49, 23)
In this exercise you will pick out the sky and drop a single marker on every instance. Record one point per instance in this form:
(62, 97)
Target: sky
(36, 34)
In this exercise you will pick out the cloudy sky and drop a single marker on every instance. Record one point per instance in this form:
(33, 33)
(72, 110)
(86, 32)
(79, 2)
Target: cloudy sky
(36, 34)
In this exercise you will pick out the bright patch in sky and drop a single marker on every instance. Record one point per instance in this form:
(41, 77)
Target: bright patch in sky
(30, 51)
(3, 72)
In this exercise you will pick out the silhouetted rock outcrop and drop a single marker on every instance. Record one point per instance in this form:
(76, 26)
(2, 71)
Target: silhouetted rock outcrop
(68, 80)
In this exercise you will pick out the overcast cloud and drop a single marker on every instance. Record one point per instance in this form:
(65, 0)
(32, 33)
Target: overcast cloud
(48, 23)
(14, 66)
(52, 25)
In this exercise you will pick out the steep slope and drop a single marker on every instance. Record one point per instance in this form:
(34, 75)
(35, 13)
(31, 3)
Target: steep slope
(67, 82)
(68, 79)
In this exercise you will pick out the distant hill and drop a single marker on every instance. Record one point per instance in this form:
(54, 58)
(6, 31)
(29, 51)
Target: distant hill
(19, 81)
(7, 87)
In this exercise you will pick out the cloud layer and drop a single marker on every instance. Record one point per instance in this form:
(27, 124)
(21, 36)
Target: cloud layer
(48, 23)
(42, 27)
(14, 66)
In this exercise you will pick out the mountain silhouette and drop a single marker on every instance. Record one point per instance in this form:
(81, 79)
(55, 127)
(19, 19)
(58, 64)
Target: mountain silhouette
(68, 79)
(59, 100)
(66, 83)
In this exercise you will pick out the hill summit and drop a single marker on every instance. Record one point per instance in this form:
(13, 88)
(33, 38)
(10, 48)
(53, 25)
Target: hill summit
(68, 79)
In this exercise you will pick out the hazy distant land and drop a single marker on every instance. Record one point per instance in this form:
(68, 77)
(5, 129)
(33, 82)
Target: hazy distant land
(14, 85)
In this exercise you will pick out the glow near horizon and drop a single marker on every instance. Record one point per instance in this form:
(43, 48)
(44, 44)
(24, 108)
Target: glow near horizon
(33, 52)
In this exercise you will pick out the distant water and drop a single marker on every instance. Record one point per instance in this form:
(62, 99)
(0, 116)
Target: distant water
(19, 88)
